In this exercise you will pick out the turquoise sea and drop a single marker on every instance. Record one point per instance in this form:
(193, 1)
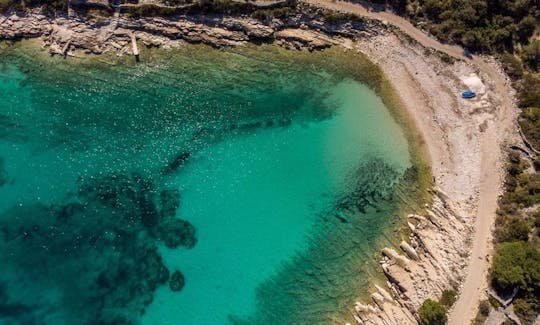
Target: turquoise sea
(199, 186)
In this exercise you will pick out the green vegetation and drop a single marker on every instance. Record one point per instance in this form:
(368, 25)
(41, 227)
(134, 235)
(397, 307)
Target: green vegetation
(151, 10)
(483, 312)
(526, 310)
(517, 265)
(480, 25)
(512, 65)
(517, 261)
(48, 7)
(448, 298)
(331, 16)
(522, 190)
(531, 55)
(6, 4)
(264, 14)
(432, 313)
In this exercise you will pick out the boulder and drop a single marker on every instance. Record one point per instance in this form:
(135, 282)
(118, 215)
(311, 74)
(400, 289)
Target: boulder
(177, 281)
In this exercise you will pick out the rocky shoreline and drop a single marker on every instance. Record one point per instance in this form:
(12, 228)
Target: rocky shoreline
(434, 257)
(64, 35)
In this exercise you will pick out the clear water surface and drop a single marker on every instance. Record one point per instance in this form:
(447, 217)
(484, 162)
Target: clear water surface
(201, 186)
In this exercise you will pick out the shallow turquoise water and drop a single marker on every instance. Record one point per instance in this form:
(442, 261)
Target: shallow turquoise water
(284, 168)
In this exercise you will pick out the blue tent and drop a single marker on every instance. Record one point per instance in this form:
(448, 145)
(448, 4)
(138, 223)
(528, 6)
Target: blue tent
(468, 94)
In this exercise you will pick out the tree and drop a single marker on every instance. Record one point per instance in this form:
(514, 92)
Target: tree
(516, 264)
(531, 55)
(432, 313)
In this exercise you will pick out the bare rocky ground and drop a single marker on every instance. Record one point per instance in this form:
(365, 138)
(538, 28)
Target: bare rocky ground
(65, 35)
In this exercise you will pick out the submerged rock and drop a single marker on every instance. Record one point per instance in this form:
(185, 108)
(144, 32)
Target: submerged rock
(177, 232)
(177, 281)
(100, 252)
(176, 163)
(130, 196)
(170, 202)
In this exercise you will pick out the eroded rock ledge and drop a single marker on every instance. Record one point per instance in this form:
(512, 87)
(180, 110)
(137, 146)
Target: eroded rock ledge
(432, 260)
(97, 36)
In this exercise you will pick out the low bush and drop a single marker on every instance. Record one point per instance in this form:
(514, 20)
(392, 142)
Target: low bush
(432, 313)
(529, 121)
(6, 4)
(512, 66)
(529, 91)
(263, 14)
(484, 307)
(512, 228)
(483, 313)
(531, 55)
(448, 298)
(526, 310)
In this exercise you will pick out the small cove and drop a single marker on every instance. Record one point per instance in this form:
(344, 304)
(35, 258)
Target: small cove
(291, 179)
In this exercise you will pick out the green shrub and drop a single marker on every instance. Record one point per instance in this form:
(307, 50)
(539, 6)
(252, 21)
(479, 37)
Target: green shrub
(512, 228)
(333, 16)
(432, 313)
(529, 120)
(529, 91)
(522, 189)
(526, 310)
(448, 298)
(484, 307)
(512, 66)
(263, 14)
(531, 55)
(479, 25)
(482, 314)
(516, 264)
(6, 4)
(146, 10)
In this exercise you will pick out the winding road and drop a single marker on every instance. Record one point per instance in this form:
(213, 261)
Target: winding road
(475, 282)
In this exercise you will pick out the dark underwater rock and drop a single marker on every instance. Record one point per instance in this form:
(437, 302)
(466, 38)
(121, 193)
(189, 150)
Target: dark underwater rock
(130, 197)
(170, 202)
(375, 181)
(177, 281)
(154, 269)
(98, 251)
(176, 163)
(177, 232)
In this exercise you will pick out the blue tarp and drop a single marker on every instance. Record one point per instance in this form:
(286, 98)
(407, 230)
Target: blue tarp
(468, 94)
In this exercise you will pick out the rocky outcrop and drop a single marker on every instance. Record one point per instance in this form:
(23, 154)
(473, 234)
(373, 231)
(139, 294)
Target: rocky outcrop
(176, 283)
(435, 261)
(113, 34)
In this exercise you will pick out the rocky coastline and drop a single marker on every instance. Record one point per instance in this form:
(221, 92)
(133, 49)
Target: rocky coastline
(435, 254)
(66, 35)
